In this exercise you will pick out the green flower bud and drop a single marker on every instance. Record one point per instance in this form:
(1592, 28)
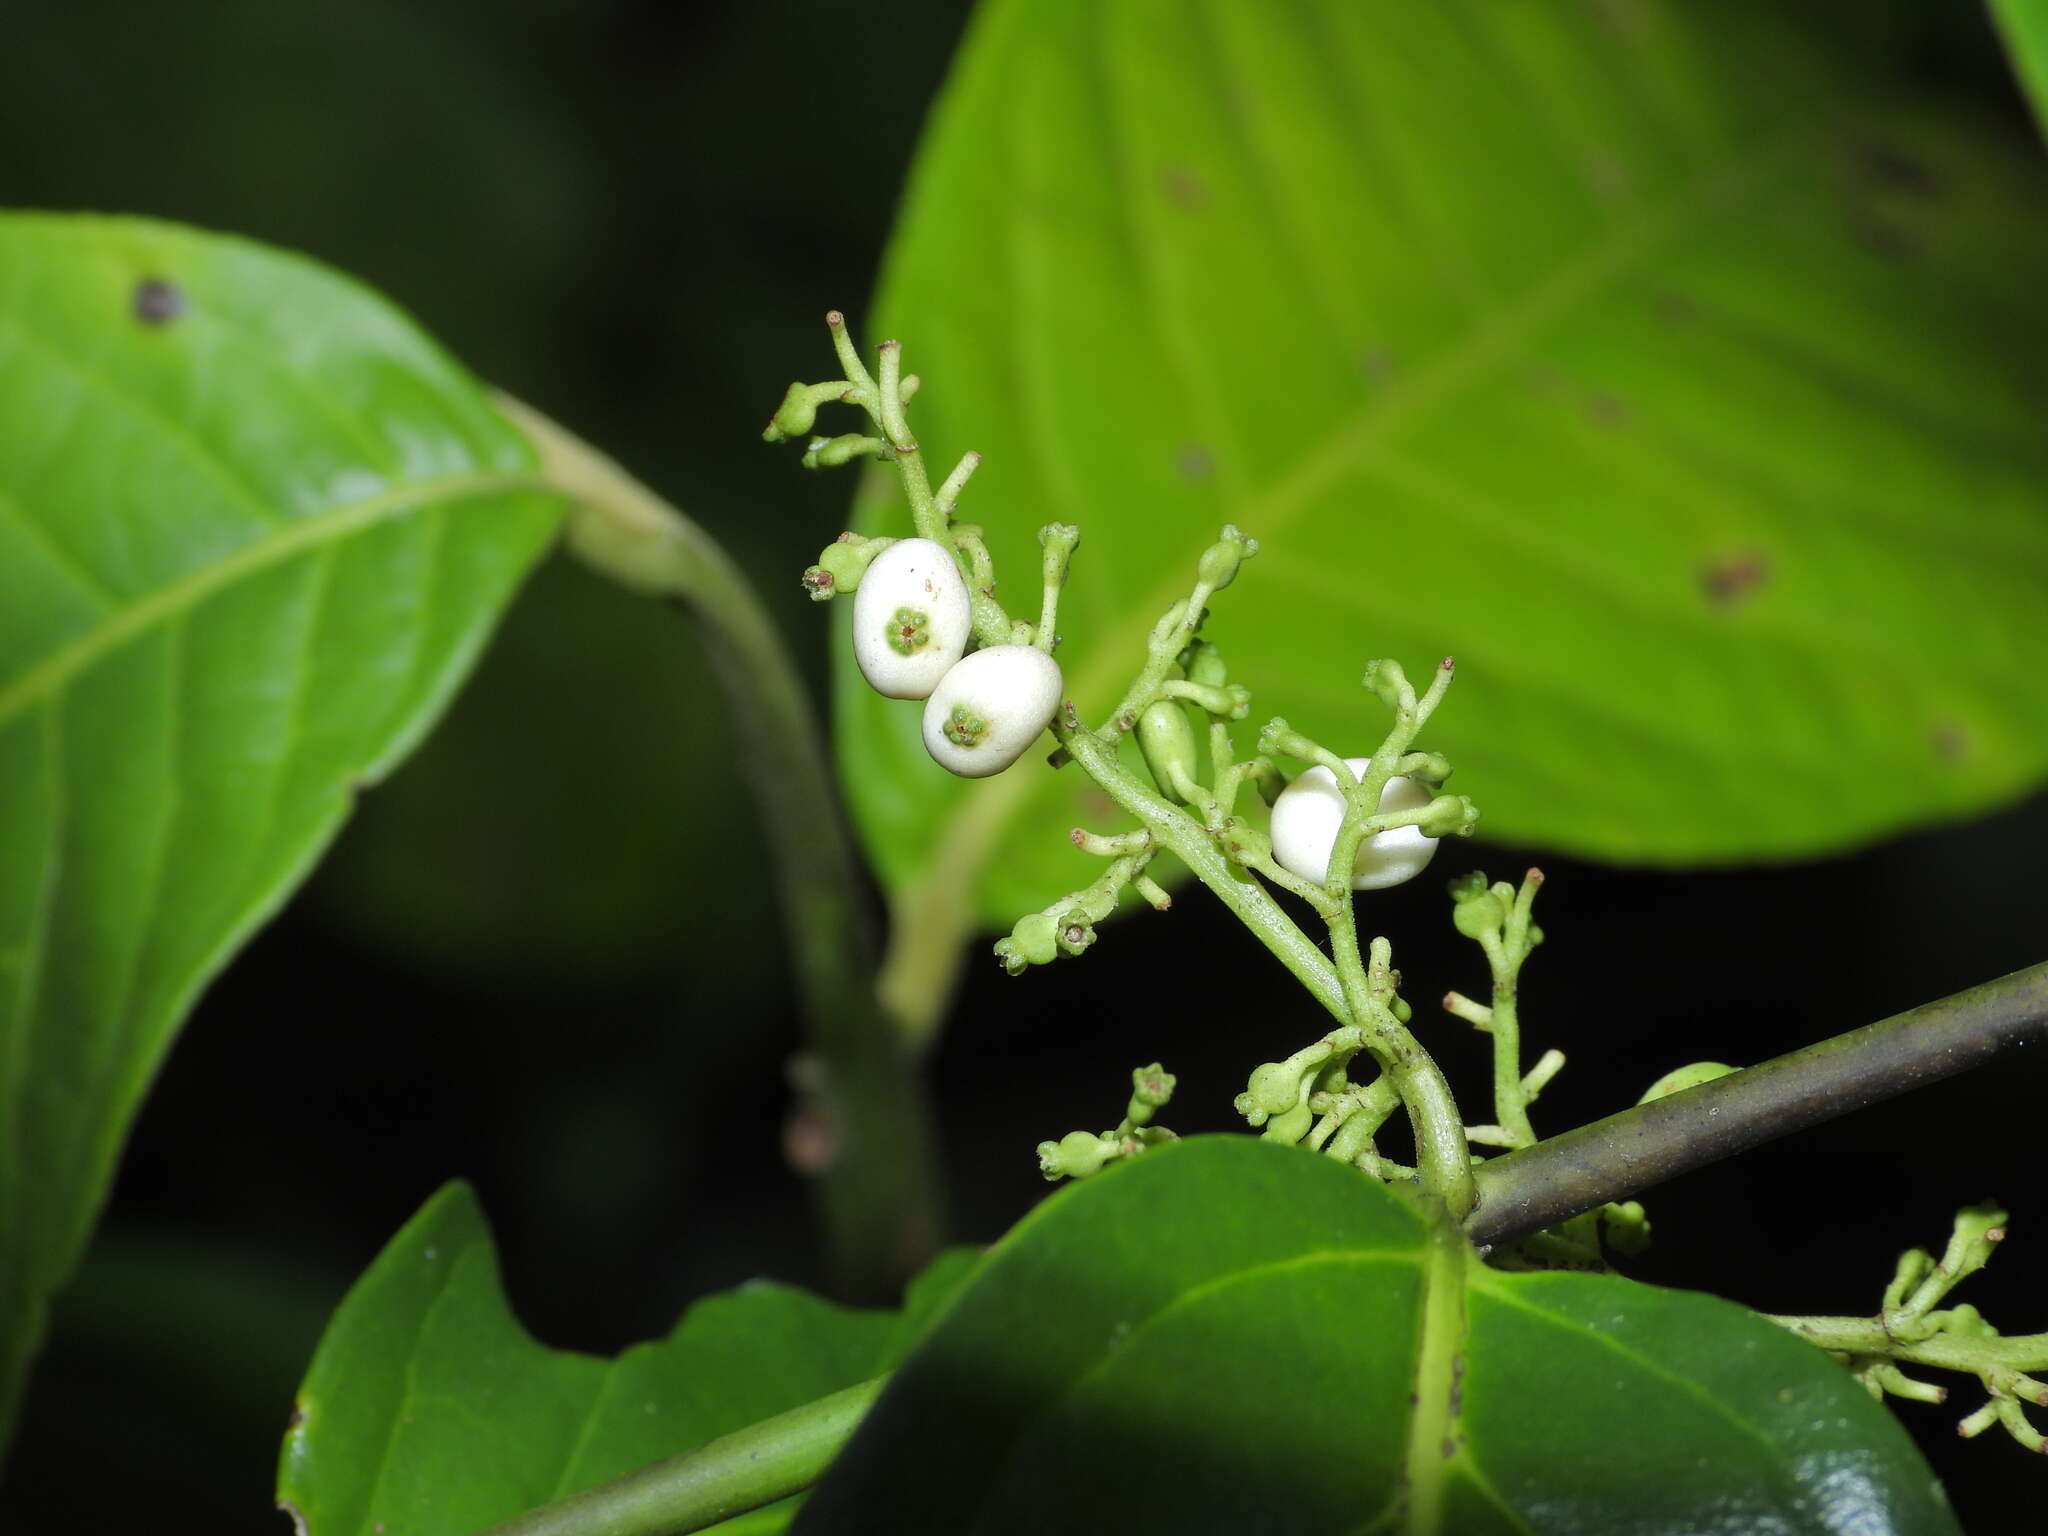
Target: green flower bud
(797, 414)
(1078, 1154)
(1469, 886)
(1448, 816)
(1219, 563)
(831, 452)
(1167, 740)
(1275, 1087)
(1152, 1086)
(1244, 843)
(1385, 680)
(1291, 1126)
(1477, 916)
(1075, 933)
(1203, 664)
(1037, 938)
(1628, 1228)
(848, 562)
(1011, 954)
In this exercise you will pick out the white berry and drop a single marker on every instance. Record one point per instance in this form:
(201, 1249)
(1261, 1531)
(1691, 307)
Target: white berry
(910, 618)
(989, 708)
(1306, 818)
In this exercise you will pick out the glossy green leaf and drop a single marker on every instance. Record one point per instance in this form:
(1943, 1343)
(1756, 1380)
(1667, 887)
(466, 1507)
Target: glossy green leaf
(1230, 1336)
(2023, 24)
(1684, 381)
(428, 1411)
(253, 529)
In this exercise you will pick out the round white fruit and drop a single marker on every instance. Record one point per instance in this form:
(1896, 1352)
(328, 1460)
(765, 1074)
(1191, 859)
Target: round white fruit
(911, 618)
(1308, 812)
(989, 708)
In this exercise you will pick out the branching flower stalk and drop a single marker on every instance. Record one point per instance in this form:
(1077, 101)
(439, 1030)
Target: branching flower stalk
(1546, 1202)
(1910, 1329)
(1196, 822)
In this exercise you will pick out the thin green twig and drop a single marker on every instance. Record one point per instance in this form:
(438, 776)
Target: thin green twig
(879, 1187)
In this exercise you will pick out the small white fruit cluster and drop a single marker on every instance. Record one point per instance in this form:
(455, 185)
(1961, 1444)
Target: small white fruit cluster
(911, 623)
(1309, 811)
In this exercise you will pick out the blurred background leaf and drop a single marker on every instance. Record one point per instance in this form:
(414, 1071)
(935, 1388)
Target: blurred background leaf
(1640, 355)
(2023, 24)
(253, 530)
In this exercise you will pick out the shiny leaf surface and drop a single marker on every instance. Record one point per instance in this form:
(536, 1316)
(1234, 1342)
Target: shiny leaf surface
(254, 527)
(1679, 375)
(428, 1411)
(1230, 1336)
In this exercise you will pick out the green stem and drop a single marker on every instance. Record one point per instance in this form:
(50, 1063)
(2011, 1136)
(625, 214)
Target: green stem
(1624, 1154)
(1941, 1351)
(879, 1191)
(744, 1470)
(1441, 1153)
(1196, 847)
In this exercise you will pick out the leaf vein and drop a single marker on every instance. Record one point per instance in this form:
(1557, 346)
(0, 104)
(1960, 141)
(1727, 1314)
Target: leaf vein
(58, 668)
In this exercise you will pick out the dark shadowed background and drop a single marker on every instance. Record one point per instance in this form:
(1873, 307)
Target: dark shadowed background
(543, 957)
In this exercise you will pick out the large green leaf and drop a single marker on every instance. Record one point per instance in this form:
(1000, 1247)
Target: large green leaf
(428, 1411)
(1230, 1336)
(253, 529)
(1687, 384)
(2024, 26)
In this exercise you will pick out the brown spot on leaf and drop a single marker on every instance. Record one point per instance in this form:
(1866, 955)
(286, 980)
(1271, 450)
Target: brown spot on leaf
(1674, 309)
(1730, 580)
(1194, 462)
(1884, 238)
(1951, 743)
(1900, 169)
(158, 301)
(1376, 365)
(1622, 17)
(1605, 410)
(1608, 177)
(810, 1144)
(1183, 188)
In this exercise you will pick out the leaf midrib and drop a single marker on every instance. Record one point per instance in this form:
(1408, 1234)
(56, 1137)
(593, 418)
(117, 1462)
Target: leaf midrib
(49, 676)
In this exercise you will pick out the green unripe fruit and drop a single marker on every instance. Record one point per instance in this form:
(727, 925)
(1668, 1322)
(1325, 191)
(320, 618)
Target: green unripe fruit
(1037, 938)
(1167, 740)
